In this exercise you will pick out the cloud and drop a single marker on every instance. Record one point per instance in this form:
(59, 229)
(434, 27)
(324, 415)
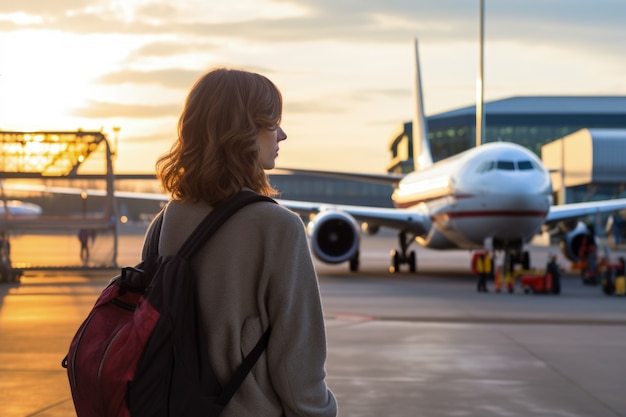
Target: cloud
(365, 21)
(150, 139)
(170, 78)
(165, 49)
(338, 103)
(43, 7)
(321, 106)
(103, 110)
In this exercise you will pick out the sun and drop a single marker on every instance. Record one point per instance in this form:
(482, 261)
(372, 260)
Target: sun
(42, 79)
(45, 75)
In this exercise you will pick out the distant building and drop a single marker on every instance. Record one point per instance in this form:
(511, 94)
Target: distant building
(327, 190)
(401, 150)
(587, 165)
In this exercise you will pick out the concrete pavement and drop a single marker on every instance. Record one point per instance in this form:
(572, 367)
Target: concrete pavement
(399, 345)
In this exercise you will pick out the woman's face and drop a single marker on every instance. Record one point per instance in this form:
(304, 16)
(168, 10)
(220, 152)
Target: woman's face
(268, 145)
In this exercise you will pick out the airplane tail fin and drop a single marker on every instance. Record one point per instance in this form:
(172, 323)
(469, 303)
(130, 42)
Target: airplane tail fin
(422, 156)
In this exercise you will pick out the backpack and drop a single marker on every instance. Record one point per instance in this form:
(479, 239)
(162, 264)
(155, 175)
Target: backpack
(141, 351)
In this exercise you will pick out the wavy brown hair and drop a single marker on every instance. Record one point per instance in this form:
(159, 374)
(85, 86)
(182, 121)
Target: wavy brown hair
(217, 151)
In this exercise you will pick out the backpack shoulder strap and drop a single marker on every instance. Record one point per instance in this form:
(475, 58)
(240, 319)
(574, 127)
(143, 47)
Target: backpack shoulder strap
(216, 218)
(198, 237)
(152, 239)
(244, 369)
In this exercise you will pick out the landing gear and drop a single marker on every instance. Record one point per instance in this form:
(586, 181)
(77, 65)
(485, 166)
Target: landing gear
(512, 257)
(354, 263)
(516, 257)
(401, 257)
(522, 259)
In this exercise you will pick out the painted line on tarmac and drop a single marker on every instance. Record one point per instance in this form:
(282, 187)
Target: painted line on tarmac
(350, 317)
(359, 318)
(510, 320)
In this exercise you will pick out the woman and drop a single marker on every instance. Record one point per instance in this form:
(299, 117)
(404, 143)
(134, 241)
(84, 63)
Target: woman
(256, 271)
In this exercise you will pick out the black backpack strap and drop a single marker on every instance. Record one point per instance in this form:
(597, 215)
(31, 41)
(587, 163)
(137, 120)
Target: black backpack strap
(244, 369)
(216, 218)
(198, 237)
(152, 239)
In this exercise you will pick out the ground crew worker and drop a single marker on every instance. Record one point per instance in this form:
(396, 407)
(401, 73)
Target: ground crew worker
(482, 267)
(83, 237)
(620, 279)
(554, 270)
(588, 254)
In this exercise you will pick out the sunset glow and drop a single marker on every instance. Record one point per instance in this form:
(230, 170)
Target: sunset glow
(345, 68)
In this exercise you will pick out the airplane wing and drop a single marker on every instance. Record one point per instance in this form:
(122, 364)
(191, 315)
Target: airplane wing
(574, 210)
(420, 223)
(385, 179)
(399, 219)
(37, 188)
(394, 218)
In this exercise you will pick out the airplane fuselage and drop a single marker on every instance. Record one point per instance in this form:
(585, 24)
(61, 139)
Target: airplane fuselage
(499, 192)
(19, 209)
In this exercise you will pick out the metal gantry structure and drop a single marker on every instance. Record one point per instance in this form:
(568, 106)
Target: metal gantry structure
(57, 155)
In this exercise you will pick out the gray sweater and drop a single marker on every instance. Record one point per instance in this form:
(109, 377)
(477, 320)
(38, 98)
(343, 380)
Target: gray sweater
(255, 272)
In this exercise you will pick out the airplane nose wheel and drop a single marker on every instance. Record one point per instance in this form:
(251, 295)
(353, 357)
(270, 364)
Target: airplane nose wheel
(401, 257)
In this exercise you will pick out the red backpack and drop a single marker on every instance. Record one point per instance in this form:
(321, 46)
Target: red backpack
(141, 350)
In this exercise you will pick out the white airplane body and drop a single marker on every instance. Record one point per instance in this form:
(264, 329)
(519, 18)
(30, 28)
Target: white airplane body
(16, 209)
(498, 195)
(499, 191)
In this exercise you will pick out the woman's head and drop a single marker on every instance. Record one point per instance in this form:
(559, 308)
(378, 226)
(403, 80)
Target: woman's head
(218, 150)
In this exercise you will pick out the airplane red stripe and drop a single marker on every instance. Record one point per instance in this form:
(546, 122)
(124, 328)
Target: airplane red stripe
(408, 204)
(500, 213)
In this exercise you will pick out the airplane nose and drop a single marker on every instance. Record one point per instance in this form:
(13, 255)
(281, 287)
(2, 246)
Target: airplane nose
(525, 193)
(518, 185)
(517, 192)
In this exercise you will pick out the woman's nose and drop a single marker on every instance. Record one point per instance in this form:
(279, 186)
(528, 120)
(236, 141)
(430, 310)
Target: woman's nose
(281, 134)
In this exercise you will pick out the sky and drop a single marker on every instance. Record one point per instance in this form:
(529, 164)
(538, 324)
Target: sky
(344, 67)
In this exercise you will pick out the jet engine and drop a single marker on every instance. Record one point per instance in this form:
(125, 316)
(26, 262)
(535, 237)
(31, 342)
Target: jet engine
(573, 239)
(335, 236)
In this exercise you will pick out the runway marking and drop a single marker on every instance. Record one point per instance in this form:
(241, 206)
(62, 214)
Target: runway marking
(350, 317)
(358, 318)
(376, 378)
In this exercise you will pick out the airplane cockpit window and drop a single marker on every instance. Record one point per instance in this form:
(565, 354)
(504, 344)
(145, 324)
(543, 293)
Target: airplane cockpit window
(525, 165)
(485, 166)
(537, 166)
(506, 165)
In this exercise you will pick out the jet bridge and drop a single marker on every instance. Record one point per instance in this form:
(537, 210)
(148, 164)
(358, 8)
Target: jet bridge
(34, 164)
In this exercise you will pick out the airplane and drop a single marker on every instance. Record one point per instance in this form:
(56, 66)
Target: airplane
(497, 196)
(19, 209)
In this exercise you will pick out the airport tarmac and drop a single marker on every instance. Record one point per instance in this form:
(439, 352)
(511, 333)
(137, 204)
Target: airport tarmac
(398, 344)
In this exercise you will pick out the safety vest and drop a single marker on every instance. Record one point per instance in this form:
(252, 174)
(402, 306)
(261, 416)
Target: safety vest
(486, 263)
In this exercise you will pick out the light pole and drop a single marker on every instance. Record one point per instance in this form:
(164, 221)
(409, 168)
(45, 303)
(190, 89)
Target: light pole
(480, 118)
